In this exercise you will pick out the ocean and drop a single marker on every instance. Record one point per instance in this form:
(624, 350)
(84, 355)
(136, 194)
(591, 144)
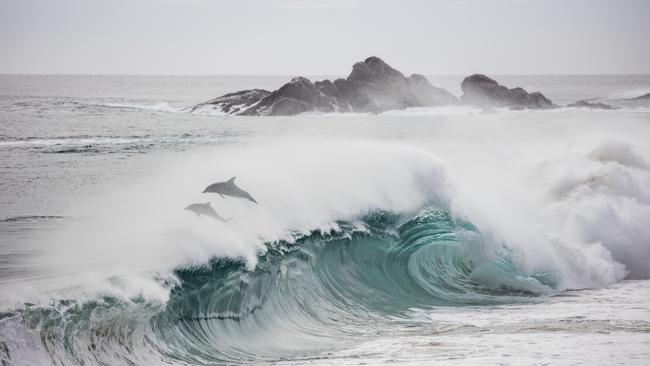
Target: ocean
(446, 235)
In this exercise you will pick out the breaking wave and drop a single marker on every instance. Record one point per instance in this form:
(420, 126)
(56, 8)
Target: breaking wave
(630, 94)
(367, 234)
(312, 292)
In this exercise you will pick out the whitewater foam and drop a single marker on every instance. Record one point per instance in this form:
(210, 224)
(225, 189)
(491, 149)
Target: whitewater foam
(606, 202)
(143, 227)
(561, 223)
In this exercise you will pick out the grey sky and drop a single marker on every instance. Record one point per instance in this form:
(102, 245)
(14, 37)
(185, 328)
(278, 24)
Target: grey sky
(324, 36)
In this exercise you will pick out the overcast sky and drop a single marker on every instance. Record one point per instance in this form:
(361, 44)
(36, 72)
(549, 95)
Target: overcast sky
(324, 36)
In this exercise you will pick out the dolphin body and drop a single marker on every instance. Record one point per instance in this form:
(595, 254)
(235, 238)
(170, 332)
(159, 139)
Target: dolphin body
(204, 209)
(228, 188)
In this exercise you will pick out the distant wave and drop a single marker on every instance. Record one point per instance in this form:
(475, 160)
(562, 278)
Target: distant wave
(630, 94)
(90, 105)
(442, 110)
(32, 218)
(105, 144)
(75, 144)
(155, 107)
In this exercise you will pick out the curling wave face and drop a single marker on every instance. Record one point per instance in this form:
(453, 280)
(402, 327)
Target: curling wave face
(314, 293)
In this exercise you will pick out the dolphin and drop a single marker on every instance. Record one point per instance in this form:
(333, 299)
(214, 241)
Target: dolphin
(228, 188)
(204, 209)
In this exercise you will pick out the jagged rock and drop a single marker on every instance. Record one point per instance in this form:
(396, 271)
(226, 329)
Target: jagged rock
(372, 86)
(585, 104)
(234, 103)
(297, 96)
(482, 91)
(327, 87)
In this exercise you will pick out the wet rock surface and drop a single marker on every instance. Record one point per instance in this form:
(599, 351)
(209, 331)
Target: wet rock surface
(372, 86)
(234, 103)
(480, 90)
(586, 104)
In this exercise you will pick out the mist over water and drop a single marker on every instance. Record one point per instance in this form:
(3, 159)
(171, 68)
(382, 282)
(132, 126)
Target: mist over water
(368, 227)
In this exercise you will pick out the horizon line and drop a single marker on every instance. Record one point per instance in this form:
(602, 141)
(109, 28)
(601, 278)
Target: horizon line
(316, 74)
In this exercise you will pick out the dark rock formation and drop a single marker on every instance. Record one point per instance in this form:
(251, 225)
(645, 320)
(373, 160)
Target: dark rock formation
(585, 104)
(372, 86)
(297, 96)
(235, 103)
(480, 90)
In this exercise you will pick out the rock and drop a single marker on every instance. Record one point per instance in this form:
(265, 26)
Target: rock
(426, 94)
(327, 87)
(480, 90)
(372, 86)
(585, 104)
(233, 103)
(330, 89)
(286, 107)
(374, 70)
(297, 96)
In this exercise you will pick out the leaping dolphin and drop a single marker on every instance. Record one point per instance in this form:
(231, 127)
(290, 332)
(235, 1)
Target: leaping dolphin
(228, 188)
(204, 209)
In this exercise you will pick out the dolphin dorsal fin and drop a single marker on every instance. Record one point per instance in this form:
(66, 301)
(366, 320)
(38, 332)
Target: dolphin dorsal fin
(231, 180)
